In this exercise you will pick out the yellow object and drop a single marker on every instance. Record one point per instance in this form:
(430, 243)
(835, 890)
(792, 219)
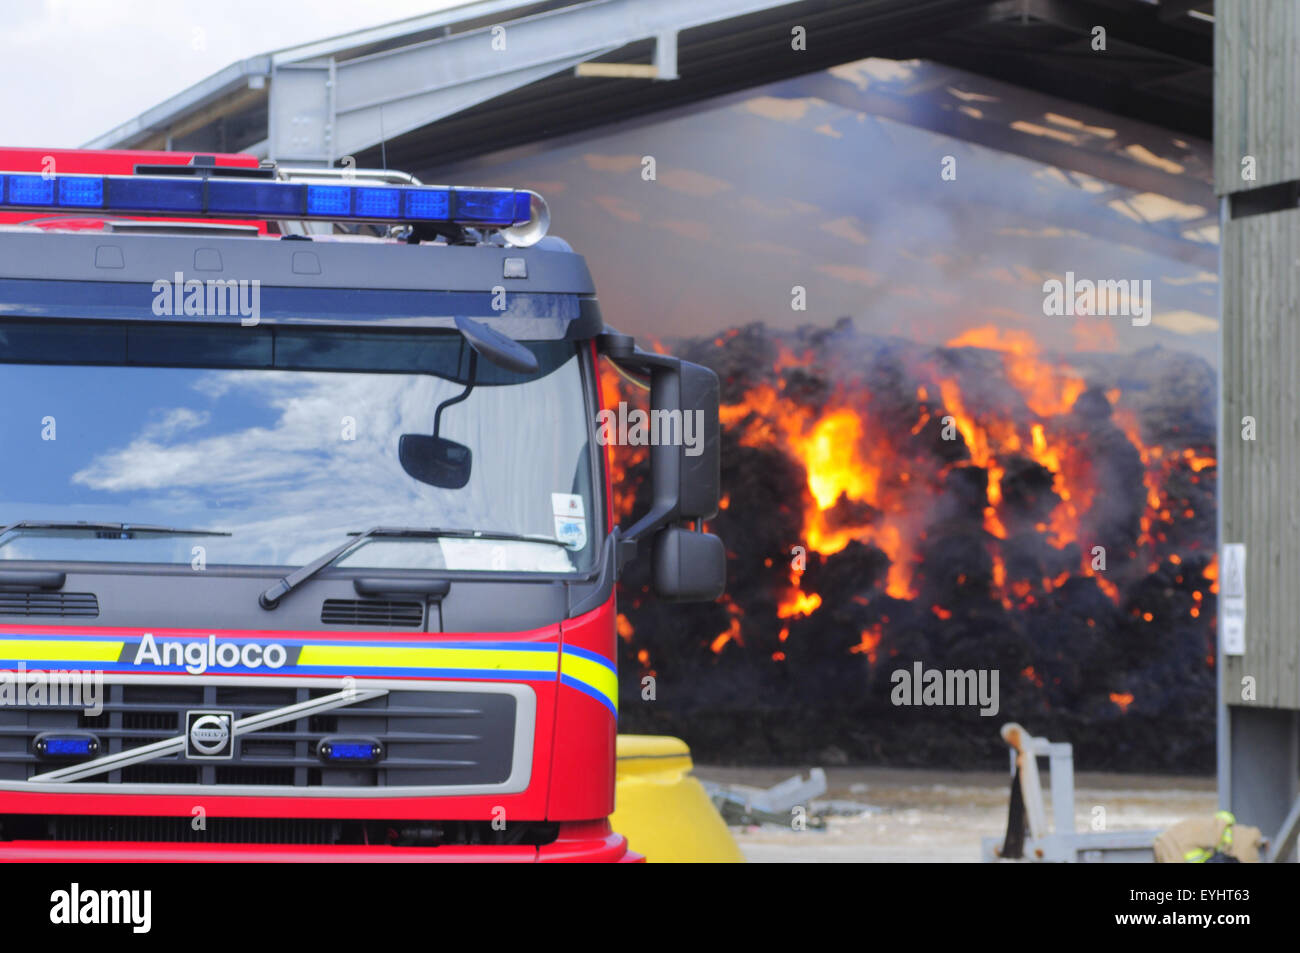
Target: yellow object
(663, 811)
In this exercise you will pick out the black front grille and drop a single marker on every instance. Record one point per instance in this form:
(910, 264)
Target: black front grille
(54, 604)
(160, 774)
(427, 738)
(220, 830)
(372, 613)
(271, 830)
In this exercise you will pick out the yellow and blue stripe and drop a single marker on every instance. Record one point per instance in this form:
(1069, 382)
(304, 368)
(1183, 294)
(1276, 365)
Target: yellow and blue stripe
(592, 674)
(579, 669)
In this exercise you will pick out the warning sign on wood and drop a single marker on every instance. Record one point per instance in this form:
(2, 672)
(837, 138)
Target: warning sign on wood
(1232, 604)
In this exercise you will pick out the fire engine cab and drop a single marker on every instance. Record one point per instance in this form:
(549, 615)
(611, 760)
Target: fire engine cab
(307, 549)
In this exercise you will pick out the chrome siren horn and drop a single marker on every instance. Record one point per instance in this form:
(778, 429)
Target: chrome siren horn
(534, 230)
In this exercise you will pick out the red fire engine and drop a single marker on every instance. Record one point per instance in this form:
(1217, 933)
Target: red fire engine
(307, 548)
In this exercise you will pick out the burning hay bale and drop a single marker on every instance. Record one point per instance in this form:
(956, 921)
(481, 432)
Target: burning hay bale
(977, 505)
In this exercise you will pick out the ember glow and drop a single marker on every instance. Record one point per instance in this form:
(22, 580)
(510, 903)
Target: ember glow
(855, 492)
(1054, 510)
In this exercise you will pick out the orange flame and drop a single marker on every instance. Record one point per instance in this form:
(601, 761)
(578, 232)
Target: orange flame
(733, 629)
(869, 644)
(799, 603)
(831, 449)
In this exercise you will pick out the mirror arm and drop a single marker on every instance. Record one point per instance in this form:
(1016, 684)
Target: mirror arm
(628, 541)
(464, 395)
(639, 359)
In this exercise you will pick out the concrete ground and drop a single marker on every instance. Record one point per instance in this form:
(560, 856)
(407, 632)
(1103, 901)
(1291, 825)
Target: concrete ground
(940, 817)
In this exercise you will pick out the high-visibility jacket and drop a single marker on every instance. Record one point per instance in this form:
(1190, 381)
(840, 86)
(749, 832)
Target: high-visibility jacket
(1196, 840)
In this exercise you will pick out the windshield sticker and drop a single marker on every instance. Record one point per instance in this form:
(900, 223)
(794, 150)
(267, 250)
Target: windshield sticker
(571, 532)
(570, 519)
(567, 504)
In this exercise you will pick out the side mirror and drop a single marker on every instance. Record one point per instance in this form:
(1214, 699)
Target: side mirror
(435, 460)
(685, 474)
(685, 463)
(699, 463)
(689, 566)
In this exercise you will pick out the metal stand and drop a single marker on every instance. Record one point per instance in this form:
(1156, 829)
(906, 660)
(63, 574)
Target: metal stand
(1062, 843)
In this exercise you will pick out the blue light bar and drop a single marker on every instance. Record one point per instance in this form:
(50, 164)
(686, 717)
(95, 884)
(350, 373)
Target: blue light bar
(85, 192)
(329, 200)
(381, 203)
(260, 199)
(30, 190)
(218, 196)
(486, 205)
(523, 207)
(427, 204)
(157, 195)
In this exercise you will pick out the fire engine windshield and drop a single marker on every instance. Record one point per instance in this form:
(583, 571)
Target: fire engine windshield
(287, 439)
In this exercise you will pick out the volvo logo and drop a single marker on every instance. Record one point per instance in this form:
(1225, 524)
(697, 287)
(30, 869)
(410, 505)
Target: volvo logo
(209, 734)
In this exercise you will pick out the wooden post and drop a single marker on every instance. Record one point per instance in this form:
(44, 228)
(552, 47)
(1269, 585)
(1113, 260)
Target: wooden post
(1257, 174)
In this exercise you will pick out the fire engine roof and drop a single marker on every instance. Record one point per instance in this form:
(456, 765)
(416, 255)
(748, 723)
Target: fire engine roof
(52, 275)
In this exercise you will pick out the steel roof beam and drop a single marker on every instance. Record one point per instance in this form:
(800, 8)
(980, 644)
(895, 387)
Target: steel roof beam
(324, 108)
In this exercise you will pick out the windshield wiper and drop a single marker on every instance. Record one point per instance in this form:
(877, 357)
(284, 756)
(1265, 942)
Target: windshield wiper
(104, 530)
(499, 534)
(272, 596)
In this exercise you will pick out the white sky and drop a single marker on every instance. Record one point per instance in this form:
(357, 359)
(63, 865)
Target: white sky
(71, 70)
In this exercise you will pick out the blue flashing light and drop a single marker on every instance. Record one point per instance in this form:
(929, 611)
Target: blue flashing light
(429, 205)
(144, 194)
(354, 751)
(50, 745)
(378, 203)
(329, 200)
(68, 747)
(31, 190)
(272, 199)
(485, 206)
(81, 191)
(341, 752)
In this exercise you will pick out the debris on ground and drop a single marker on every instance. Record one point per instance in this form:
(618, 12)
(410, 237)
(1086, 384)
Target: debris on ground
(793, 803)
